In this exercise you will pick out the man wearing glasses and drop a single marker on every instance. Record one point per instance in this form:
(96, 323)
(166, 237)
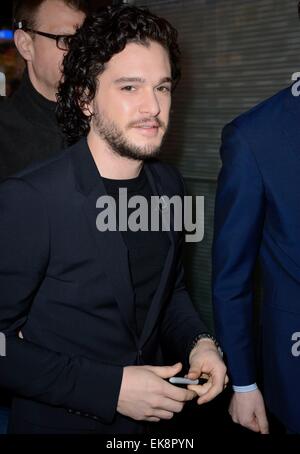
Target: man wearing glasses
(28, 127)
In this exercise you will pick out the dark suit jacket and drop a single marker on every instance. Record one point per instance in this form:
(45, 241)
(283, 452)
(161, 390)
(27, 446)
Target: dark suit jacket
(67, 287)
(258, 214)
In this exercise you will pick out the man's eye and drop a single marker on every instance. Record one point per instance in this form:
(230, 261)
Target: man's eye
(128, 88)
(164, 89)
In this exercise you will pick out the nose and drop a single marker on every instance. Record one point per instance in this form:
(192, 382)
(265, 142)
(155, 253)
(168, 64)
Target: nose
(149, 104)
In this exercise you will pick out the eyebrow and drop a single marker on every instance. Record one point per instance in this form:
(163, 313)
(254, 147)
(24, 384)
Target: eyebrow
(140, 80)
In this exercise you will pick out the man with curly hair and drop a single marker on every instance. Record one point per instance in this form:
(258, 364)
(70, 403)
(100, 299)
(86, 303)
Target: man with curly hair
(87, 314)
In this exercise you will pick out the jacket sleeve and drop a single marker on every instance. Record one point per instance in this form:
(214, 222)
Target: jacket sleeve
(73, 382)
(181, 322)
(239, 217)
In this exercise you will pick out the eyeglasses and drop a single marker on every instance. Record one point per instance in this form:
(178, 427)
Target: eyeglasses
(62, 41)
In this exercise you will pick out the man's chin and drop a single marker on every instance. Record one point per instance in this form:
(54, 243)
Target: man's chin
(148, 152)
(141, 150)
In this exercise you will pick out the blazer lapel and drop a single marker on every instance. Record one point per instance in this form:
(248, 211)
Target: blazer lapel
(159, 296)
(111, 247)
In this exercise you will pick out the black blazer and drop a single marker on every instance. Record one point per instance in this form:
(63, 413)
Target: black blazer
(67, 287)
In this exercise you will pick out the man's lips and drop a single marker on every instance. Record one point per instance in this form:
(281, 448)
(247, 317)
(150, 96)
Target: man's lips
(148, 129)
(147, 125)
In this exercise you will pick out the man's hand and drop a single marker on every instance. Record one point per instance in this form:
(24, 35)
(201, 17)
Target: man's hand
(205, 360)
(145, 395)
(248, 409)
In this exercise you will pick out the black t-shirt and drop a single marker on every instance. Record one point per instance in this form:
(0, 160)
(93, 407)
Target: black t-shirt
(147, 250)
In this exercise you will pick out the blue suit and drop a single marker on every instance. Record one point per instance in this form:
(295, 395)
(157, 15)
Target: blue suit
(258, 215)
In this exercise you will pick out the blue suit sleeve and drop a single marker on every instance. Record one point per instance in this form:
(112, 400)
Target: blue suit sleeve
(239, 218)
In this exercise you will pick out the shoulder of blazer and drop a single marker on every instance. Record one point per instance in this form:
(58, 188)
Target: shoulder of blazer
(271, 109)
(51, 174)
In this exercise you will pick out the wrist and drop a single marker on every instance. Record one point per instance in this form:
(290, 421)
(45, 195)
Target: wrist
(245, 389)
(206, 338)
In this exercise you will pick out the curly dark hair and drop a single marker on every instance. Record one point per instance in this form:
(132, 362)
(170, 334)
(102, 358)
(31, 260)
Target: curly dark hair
(102, 35)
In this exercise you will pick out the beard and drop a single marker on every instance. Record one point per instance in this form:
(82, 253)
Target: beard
(118, 142)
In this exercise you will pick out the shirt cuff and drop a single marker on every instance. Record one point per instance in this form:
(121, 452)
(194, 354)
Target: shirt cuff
(244, 389)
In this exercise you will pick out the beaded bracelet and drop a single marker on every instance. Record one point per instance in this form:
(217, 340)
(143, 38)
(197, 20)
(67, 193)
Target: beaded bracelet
(206, 336)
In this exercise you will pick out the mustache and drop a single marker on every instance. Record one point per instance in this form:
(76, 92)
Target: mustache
(145, 121)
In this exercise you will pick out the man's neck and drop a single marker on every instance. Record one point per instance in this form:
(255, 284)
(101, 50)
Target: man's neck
(109, 163)
(47, 92)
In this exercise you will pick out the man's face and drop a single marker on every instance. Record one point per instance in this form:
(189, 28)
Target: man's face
(53, 16)
(132, 104)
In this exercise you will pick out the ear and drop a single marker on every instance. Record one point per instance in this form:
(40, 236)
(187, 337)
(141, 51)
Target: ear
(23, 42)
(87, 110)
(86, 106)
